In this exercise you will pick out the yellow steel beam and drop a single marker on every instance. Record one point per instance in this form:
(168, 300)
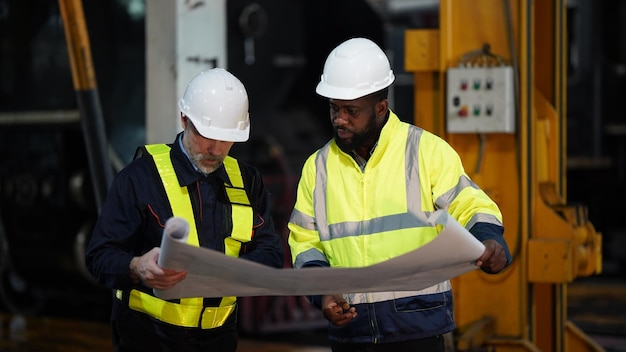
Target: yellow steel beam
(524, 172)
(77, 37)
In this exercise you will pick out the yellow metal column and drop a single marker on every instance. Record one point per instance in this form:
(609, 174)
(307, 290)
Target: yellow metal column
(524, 308)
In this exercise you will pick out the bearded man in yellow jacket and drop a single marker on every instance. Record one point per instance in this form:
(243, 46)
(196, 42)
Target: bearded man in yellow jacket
(365, 197)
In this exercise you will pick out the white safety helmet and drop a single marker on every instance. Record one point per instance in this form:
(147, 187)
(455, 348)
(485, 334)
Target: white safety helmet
(354, 69)
(216, 102)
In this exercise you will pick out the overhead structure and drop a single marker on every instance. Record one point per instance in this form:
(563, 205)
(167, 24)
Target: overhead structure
(491, 80)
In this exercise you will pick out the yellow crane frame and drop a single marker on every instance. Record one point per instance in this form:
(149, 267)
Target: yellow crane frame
(523, 308)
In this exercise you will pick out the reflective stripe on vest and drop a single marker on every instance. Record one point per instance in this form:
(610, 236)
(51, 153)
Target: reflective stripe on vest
(241, 209)
(371, 297)
(190, 312)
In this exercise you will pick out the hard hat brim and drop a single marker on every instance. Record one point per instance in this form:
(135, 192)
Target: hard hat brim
(332, 92)
(226, 135)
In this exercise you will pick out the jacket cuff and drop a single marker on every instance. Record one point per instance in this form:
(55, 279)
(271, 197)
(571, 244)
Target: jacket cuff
(485, 231)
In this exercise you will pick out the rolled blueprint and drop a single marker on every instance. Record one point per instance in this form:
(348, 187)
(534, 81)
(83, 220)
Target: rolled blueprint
(213, 274)
(176, 229)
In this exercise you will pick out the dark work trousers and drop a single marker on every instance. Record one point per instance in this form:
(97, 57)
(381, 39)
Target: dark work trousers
(135, 331)
(429, 344)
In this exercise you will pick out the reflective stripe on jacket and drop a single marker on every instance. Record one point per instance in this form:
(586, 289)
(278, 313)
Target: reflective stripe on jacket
(191, 312)
(346, 217)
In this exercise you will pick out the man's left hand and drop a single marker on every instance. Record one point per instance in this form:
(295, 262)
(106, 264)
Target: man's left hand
(493, 259)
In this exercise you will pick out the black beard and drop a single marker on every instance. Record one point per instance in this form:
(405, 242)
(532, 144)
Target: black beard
(358, 139)
(355, 142)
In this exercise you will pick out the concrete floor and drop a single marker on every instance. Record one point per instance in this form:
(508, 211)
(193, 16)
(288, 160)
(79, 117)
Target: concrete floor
(42, 334)
(597, 305)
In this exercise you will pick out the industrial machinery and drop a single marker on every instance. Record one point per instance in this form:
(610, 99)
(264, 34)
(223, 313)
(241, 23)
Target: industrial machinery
(491, 80)
(489, 76)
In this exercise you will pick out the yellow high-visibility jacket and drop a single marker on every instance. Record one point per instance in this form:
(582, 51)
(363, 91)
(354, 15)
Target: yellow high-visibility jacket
(345, 217)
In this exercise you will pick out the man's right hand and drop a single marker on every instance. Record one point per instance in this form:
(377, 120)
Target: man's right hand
(145, 269)
(337, 310)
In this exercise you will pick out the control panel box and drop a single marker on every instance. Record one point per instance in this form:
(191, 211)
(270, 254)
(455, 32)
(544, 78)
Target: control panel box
(480, 100)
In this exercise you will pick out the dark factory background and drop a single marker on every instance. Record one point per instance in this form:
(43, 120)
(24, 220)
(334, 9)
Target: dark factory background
(46, 203)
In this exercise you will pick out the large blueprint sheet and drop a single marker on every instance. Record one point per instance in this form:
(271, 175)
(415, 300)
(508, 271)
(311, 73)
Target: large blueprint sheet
(213, 274)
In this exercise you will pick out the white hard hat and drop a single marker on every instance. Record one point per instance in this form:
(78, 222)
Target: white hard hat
(355, 68)
(216, 102)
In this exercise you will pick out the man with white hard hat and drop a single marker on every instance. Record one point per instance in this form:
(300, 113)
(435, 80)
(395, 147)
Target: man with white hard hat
(225, 203)
(366, 196)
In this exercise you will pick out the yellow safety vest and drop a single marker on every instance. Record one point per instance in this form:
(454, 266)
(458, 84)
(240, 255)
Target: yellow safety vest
(347, 217)
(191, 312)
